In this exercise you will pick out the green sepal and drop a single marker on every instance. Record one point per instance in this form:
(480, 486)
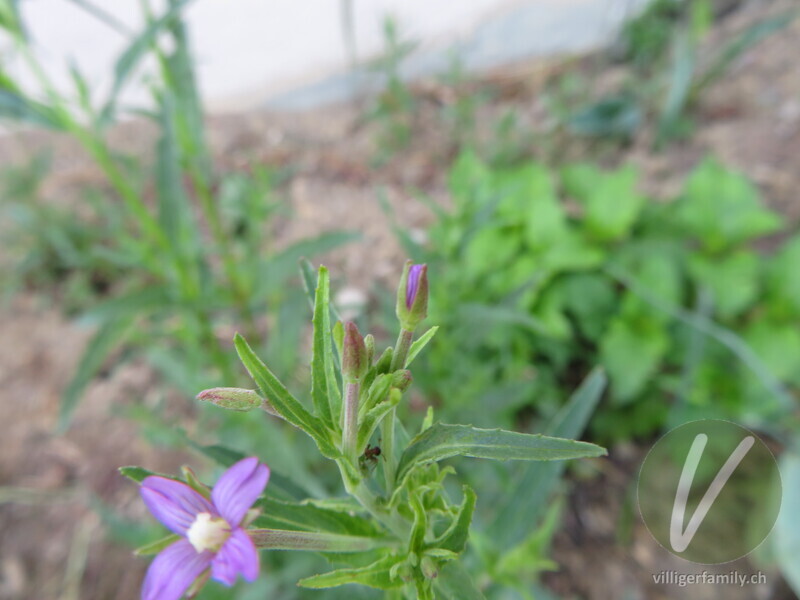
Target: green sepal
(157, 546)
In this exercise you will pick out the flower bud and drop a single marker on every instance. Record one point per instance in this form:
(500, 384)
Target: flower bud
(232, 398)
(354, 353)
(412, 296)
(429, 568)
(401, 379)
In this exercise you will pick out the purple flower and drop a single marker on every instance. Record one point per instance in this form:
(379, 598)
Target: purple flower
(211, 530)
(414, 274)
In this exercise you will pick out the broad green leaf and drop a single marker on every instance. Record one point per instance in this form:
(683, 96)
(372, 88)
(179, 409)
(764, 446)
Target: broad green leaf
(321, 358)
(784, 280)
(445, 441)
(375, 575)
(527, 501)
(721, 208)
(632, 352)
(786, 535)
(613, 205)
(490, 248)
(108, 337)
(456, 536)
(455, 583)
(778, 346)
(420, 343)
(283, 402)
(733, 280)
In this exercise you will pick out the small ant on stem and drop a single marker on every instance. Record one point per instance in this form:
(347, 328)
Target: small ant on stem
(369, 460)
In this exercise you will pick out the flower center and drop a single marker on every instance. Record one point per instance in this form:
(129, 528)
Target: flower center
(208, 533)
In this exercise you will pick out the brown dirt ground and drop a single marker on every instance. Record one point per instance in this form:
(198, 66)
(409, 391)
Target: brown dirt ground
(53, 546)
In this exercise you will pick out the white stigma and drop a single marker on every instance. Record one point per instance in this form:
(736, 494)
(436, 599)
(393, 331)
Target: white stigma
(208, 533)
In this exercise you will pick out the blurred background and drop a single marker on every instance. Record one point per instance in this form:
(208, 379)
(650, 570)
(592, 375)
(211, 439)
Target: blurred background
(592, 183)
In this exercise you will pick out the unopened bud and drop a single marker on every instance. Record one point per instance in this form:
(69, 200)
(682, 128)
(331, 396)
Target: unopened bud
(412, 296)
(354, 353)
(429, 568)
(401, 379)
(232, 398)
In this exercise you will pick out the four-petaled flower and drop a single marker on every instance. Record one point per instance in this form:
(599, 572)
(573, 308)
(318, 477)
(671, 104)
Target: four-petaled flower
(212, 531)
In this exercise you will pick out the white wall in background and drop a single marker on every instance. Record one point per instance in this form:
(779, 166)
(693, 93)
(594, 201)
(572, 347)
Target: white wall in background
(249, 51)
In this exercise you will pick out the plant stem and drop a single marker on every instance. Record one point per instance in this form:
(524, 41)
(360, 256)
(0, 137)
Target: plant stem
(279, 539)
(399, 358)
(350, 425)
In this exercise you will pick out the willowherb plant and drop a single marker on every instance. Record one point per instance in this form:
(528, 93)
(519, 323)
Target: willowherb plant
(398, 529)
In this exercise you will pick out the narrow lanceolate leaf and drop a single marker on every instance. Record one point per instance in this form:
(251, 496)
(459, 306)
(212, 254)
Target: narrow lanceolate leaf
(456, 536)
(321, 350)
(104, 341)
(420, 343)
(445, 441)
(157, 546)
(284, 403)
(528, 499)
(375, 575)
(279, 514)
(138, 474)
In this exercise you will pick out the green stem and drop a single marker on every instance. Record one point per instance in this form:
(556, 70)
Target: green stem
(399, 358)
(279, 539)
(350, 424)
(358, 490)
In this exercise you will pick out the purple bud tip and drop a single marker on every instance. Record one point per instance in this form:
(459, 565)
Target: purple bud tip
(414, 274)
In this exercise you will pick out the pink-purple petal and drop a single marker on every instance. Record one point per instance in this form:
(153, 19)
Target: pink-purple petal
(237, 556)
(412, 287)
(238, 488)
(173, 571)
(173, 503)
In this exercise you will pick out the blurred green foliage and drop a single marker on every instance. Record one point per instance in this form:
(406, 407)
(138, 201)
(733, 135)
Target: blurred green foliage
(541, 274)
(175, 248)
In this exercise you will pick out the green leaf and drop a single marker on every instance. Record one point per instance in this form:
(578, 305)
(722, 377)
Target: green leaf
(721, 208)
(100, 346)
(281, 267)
(138, 474)
(283, 402)
(455, 583)
(786, 534)
(456, 536)
(135, 52)
(322, 358)
(157, 546)
(295, 516)
(148, 300)
(375, 575)
(632, 352)
(777, 345)
(420, 343)
(527, 500)
(613, 116)
(373, 417)
(732, 279)
(445, 441)
(613, 205)
(784, 280)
